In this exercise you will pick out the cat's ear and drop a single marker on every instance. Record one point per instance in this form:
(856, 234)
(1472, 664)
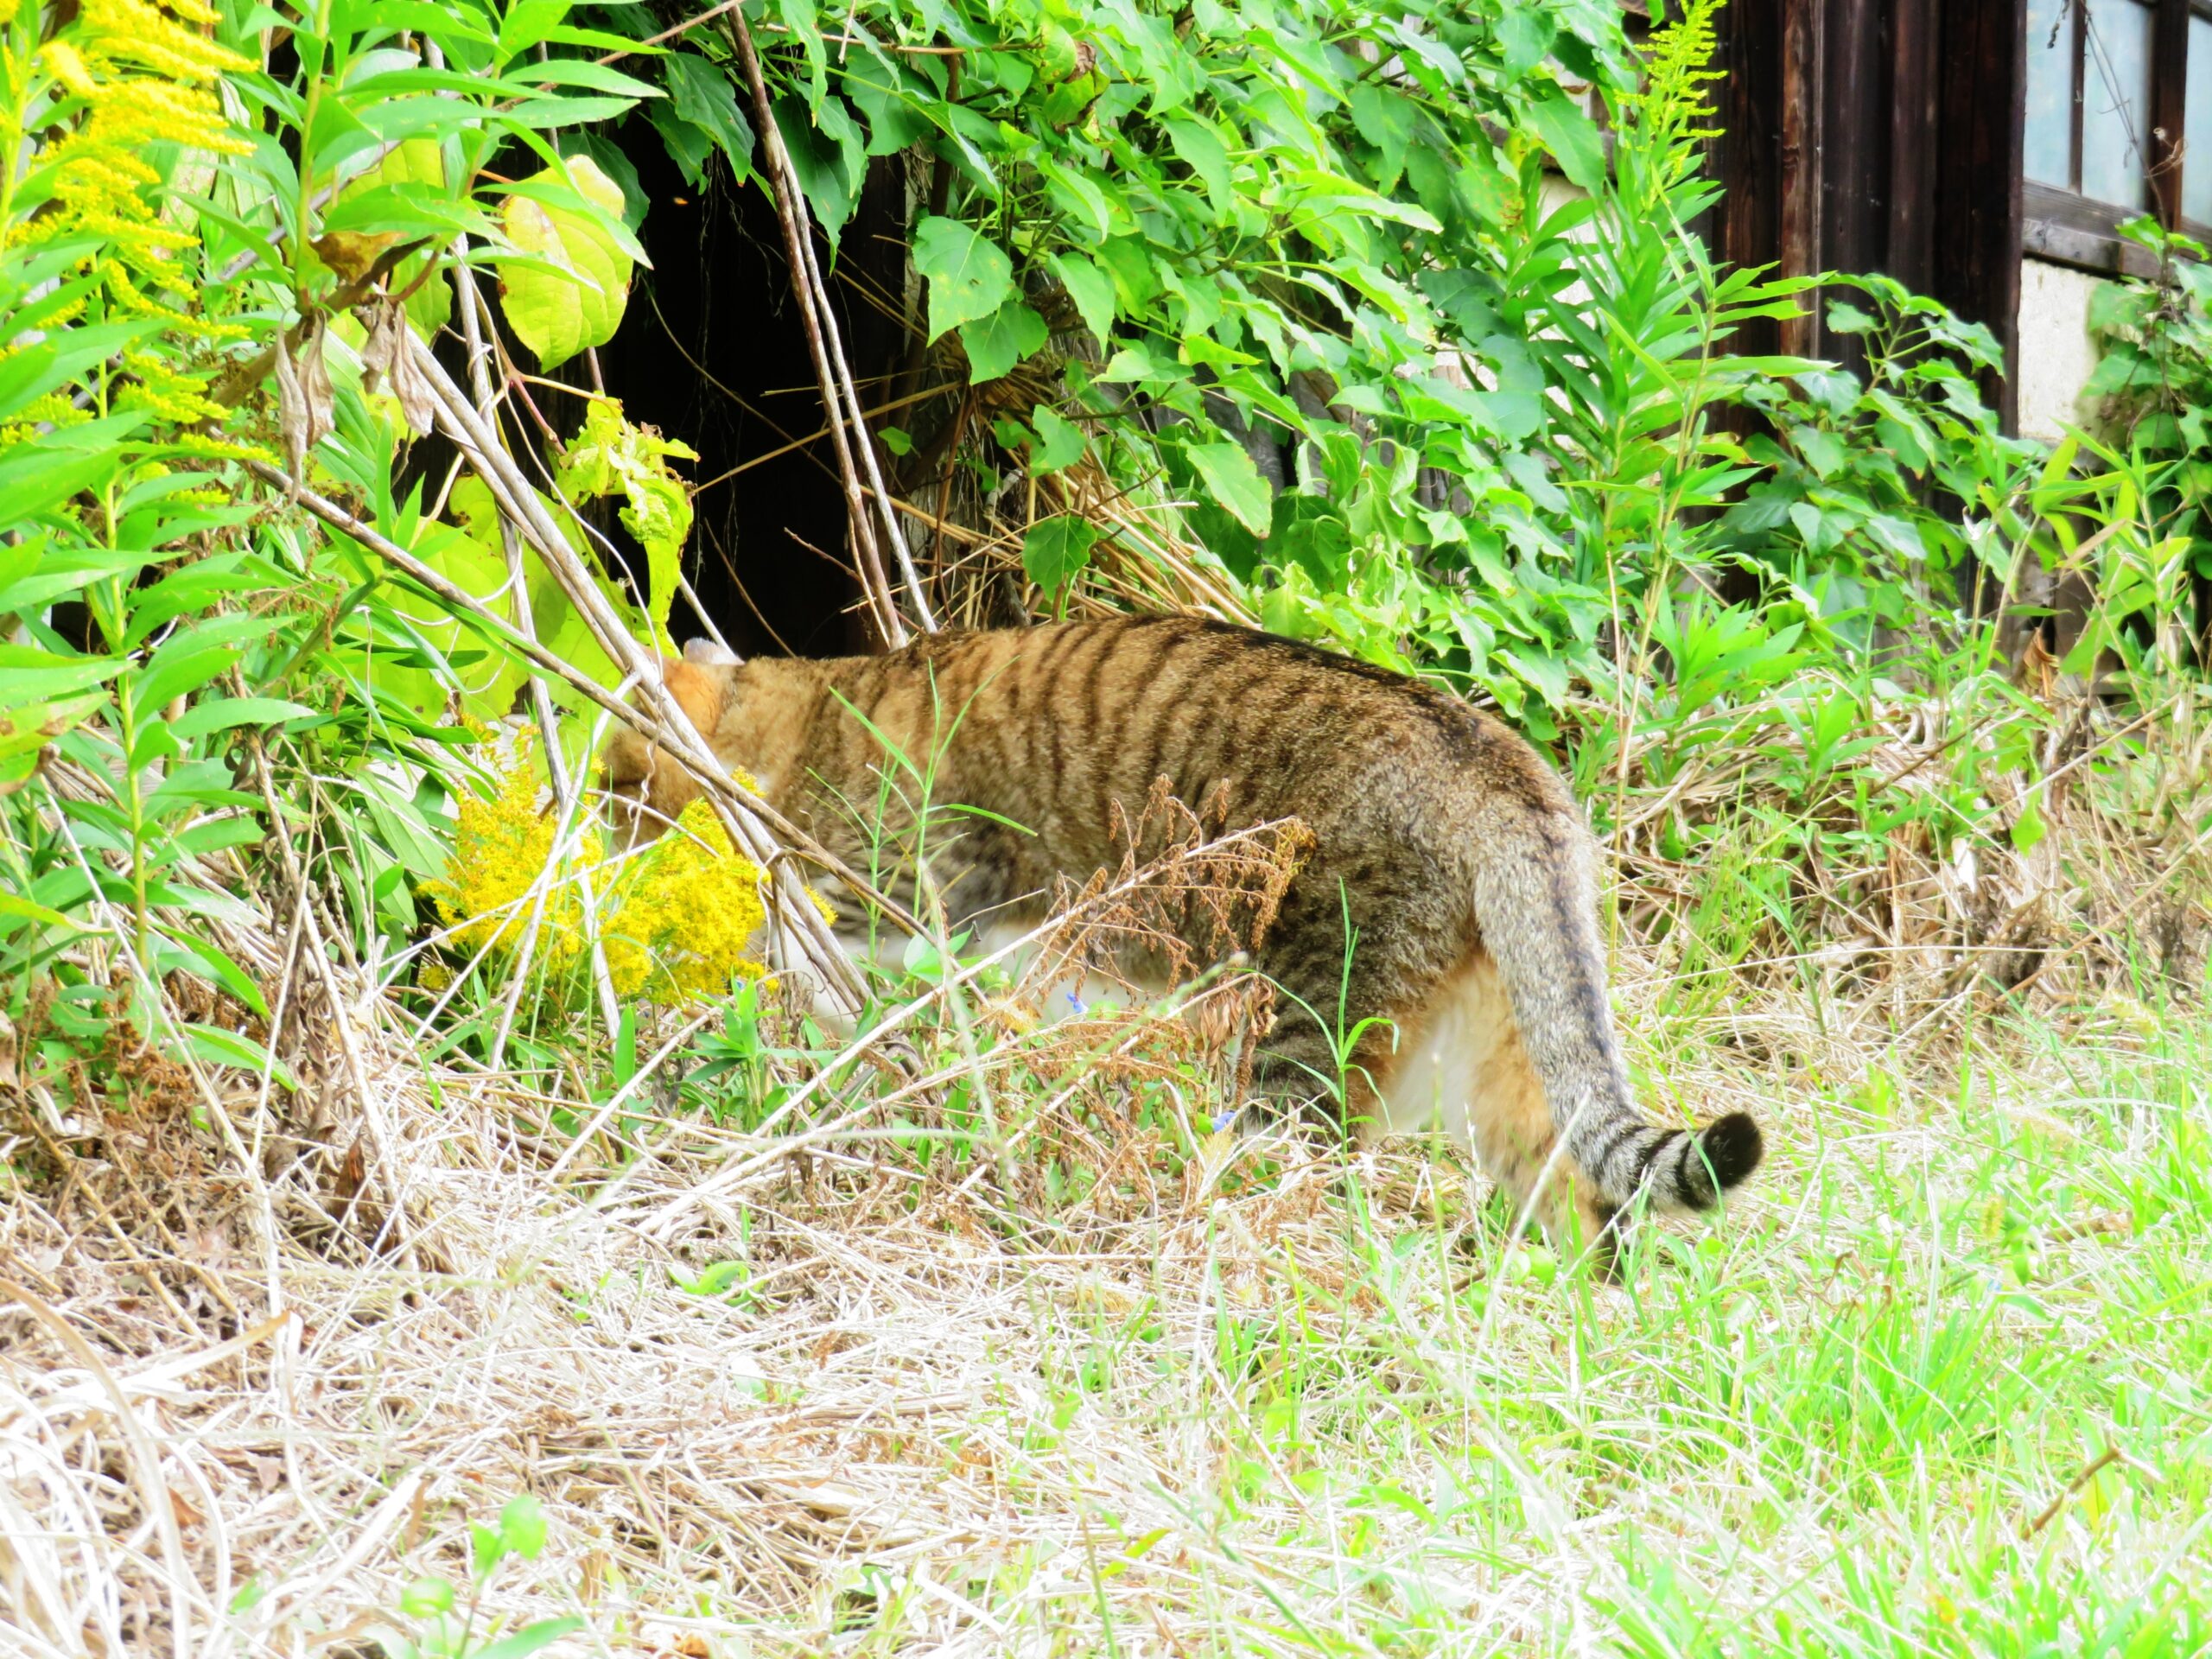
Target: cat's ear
(711, 653)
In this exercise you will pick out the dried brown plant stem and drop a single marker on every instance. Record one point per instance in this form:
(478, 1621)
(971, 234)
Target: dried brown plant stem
(2088, 1472)
(372, 1124)
(145, 1463)
(841, 401)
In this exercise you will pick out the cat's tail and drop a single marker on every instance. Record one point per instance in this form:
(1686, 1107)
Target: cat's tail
(1535, 907)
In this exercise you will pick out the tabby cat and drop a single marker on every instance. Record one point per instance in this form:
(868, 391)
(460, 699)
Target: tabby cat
(1457, 856)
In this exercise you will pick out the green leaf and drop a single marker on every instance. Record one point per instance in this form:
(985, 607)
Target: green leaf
(1055, 550)
(1200, 146)
(1847, 319)
(611, 159)
(702, 95)
(1059, 441)
(531, 1638)
(579, 303)
(30, 674)
(1385, 117)
(1567, 131)
(1091, 289)
(34, 476)
(193, 656)
(13, 909)
(225, 714)
(879, 92)
(227, 1048)
(691, 148)
(829, 154)
(1526, 33)
(419, 162)
(1140, 366)
(1078, 195)
(522, 1526)
(426, 1597)
(26, 729)
(970, 278)
(994, 344)
(610, 456)
(1229, 471)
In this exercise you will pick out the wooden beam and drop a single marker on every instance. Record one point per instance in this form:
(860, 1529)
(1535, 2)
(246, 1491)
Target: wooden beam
(1974, 267)
(2169, 89)
(1913, 127)
(1799, 185)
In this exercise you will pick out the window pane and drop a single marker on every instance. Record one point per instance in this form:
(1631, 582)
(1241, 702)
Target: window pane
(2116, 103)
(2050, 93)
(2196, 126)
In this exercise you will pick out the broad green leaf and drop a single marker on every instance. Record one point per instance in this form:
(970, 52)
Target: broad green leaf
(994, 344)
(1077, 195)
(1091, 289)
(1059, 441)
(968, 277)
(561, 312)
(522, 1526)
(881, 91)
(1055, 550)
(1385, 117)
(1141, 365)
(419, 162)
(1200, 146)
(688, 146)
(1571, 136)
(829, 154)
(1229, 472)
(702, 95)
(1526, 32)
(611, 159)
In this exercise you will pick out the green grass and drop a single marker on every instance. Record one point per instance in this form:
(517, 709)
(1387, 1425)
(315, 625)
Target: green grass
(1940, 1384)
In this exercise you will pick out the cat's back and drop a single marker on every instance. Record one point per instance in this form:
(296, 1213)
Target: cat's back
(1051, 721)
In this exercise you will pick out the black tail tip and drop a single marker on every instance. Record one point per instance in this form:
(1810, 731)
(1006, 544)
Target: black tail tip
(1733, 1147)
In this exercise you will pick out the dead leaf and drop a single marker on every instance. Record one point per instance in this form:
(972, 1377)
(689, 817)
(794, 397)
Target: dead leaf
(351, 253)
(304, 398)
(388, 356)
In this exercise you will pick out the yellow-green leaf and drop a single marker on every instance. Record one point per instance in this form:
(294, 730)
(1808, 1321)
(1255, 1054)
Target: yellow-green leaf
(578, 303)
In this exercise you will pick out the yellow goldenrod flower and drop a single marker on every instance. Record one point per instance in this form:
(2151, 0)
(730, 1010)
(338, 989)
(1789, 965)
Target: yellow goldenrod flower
(676, 922)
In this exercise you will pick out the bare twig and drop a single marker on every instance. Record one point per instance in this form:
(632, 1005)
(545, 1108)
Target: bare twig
(2095, 1466)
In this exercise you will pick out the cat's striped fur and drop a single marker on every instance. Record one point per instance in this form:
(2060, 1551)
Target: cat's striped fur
(1463, 860)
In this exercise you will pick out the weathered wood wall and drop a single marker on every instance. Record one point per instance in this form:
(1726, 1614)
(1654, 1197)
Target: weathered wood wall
(1877, 136)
